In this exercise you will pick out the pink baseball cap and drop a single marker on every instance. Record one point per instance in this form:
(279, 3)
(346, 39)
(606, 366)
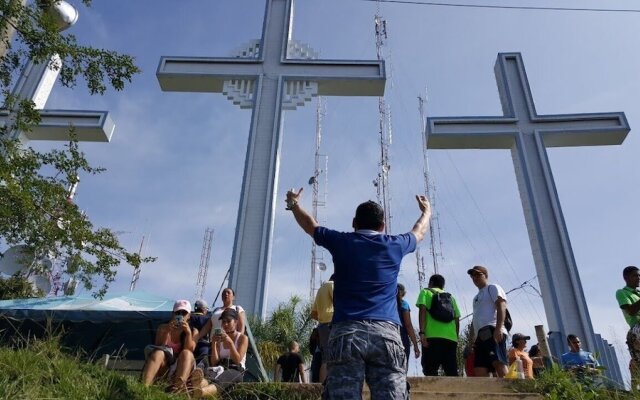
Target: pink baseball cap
(182, 305)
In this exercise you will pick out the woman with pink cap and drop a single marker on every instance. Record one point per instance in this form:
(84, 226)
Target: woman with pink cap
(172, 353)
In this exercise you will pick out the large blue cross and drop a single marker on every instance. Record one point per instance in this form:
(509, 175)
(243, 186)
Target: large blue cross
(527, 135)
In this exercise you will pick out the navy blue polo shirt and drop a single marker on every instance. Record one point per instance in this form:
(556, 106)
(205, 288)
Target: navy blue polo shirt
(366, 272)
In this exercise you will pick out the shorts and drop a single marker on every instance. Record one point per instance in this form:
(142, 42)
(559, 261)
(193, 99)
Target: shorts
(633, 342)
(168, 352)
(365, 350)
(487, 351)
(323, 333)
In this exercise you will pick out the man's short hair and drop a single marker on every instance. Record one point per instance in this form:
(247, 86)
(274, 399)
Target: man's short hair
(631, 269)
(571, 337)
(369, 215)
(437, 280)
(293, 345)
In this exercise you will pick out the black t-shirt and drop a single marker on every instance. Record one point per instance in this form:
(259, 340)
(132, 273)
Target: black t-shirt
(289, 363)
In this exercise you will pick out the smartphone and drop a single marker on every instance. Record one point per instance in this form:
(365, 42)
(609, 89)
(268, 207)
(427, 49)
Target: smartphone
(217, 332)
(179, 319)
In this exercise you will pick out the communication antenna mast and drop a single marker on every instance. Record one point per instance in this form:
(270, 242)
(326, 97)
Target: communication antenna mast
(435, 240)
(205, 257)
(136, 270)
(384, 121)
(317, 259)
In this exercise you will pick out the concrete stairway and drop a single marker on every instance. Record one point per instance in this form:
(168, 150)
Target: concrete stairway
(462, 388)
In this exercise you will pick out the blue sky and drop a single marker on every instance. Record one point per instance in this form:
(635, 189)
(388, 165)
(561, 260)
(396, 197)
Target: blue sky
(175, 163)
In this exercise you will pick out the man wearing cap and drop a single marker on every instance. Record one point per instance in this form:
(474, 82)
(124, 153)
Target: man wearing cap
(172, 351)
(519, 342)
(629, 301)
(365, 338)
(198, 320)
(489, 312)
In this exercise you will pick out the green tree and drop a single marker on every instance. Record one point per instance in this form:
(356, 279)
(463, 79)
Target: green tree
(289, 321)
(34, 209)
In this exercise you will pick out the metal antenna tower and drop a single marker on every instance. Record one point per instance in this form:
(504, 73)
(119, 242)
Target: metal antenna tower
(136, 271)
(317, 258)
(205, 257)
(435, 240)
(384, 120)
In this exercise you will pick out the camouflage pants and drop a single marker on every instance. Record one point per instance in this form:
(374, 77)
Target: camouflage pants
(633, 342)
(370, 350)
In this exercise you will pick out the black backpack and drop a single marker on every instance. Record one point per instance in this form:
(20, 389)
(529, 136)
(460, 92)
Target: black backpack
(442, 306)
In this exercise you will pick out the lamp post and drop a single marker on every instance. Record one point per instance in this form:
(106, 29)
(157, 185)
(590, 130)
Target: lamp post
(63, 14)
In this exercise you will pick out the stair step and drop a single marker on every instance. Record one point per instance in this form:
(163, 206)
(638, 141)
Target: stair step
(459, 384)
(459, 388)
(470, 396)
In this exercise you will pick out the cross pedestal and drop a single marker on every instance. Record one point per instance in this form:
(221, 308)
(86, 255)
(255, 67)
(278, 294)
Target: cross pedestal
(527, 135)
(268, 72)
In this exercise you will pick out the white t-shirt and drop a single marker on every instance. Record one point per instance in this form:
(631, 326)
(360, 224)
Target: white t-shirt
(215, 316)
(484, 307)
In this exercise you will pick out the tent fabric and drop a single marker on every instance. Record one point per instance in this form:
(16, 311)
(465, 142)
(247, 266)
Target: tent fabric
(119, 324)
(112, 308)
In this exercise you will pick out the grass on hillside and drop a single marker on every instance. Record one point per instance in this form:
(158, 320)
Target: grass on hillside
(556, 384)
(40, 370)
(43, 370)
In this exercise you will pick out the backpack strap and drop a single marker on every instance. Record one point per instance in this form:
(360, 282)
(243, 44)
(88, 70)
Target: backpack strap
(434, 294)
(489, 290)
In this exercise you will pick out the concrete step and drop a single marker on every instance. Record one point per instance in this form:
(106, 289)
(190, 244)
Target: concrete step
(460, 384)
(460, 388)
(422, 388)
(471, 396)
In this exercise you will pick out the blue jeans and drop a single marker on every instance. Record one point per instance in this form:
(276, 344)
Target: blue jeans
(370, 350)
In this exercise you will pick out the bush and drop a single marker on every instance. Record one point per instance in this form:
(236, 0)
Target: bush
(557, 384)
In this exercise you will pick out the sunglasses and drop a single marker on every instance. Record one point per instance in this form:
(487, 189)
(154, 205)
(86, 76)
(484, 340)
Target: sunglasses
(181, 312)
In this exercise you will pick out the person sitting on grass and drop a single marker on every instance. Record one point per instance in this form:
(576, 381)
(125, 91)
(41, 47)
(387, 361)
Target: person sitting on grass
(199, 320)
(172, 353)
(228, 346)
(228, 296)
(228, 356)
